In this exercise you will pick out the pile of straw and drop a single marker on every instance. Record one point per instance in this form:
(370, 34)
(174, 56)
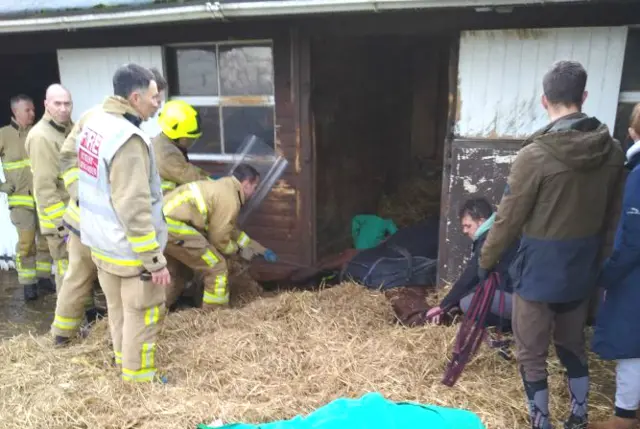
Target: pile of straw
(271, 359)
(415, 200)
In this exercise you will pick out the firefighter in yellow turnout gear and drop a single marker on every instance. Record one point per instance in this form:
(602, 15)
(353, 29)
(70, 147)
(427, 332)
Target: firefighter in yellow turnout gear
(43, 147)
(121, 220)
(201, 217)
(76, 294)
(180, 126)
(33, 261)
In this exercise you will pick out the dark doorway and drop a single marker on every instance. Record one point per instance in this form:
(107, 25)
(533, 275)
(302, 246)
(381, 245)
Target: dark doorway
(28, 74)
(379, 106)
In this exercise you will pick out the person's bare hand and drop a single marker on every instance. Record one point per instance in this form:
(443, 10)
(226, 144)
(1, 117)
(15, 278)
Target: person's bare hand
(161, 277)
(434, 314)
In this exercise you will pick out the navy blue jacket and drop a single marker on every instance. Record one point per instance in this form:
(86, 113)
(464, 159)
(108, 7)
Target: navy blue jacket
(468, 281)
(617, 330)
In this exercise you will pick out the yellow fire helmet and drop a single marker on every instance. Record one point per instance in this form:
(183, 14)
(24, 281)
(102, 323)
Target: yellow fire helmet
(179, 119)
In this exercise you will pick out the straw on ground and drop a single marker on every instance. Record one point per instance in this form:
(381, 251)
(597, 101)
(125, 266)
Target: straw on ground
(271, 359)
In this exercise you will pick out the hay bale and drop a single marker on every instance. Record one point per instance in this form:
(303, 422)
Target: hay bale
(415, 200)
(269, 360)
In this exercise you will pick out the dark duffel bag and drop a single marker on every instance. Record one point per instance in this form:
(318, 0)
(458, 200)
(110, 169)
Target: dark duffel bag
(386, 267)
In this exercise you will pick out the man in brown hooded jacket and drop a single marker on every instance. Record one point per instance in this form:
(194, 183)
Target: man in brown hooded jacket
(563, 198)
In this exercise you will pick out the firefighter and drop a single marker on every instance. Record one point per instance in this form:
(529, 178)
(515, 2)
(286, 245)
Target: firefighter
(76, 295)
(180, 126)
(33, 261)
(43, 147)
(122, 223)
(201, 217)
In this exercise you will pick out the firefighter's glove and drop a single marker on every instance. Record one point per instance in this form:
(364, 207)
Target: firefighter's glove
(270, 256)
(7, 188)
(482, 275)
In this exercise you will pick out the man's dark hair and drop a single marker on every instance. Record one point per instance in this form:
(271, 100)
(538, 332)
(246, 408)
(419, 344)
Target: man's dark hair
(564, 83)
(160, 80)
(130, 78)
(18, 98)
(476, 209)
(246, 172)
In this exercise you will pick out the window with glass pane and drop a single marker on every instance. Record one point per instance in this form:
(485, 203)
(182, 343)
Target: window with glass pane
(209, 142)
(232, 86)
(246, 70)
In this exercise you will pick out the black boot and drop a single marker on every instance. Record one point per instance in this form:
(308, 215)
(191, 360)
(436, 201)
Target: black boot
(538, 398)
(94, 314)
(60, 341)
(578, 380)
(576, 422)
(46, 286)
(30, 292)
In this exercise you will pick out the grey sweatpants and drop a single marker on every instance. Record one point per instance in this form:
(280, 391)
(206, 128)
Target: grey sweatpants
(465, 303)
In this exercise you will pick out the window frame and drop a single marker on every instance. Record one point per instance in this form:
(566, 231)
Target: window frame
(631, 97)
(221, 101)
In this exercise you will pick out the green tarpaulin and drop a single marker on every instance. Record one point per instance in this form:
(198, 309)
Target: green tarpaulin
(373, 411)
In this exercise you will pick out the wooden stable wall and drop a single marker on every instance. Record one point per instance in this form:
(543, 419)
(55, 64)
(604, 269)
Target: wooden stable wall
(283, 221)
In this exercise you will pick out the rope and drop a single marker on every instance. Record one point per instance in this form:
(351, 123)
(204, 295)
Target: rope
(472, 329)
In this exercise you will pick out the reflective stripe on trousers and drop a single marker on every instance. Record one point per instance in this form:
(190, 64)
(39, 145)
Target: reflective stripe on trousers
(148, 368)
(15, 165)
(66, 323)
(220, 295)
(17, 200)
(24, 274)
(44, 267)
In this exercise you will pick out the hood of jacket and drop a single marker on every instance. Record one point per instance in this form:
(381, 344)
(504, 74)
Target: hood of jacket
(577, 140)
(485, 227)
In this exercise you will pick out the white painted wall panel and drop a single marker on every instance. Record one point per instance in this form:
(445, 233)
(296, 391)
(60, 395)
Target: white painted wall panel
(88, 73)
(8, 233)
(500, 76)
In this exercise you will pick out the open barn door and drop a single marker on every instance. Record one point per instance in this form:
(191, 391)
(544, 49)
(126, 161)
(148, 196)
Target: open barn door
(499, 84)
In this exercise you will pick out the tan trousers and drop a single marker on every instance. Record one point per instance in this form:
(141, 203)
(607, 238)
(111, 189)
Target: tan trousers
(33, 260)
(58, 250)
(76, 292)
(198, 254)
(136, 310)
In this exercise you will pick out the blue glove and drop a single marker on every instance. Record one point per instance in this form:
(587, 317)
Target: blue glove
(214, 177)
(270, 256)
